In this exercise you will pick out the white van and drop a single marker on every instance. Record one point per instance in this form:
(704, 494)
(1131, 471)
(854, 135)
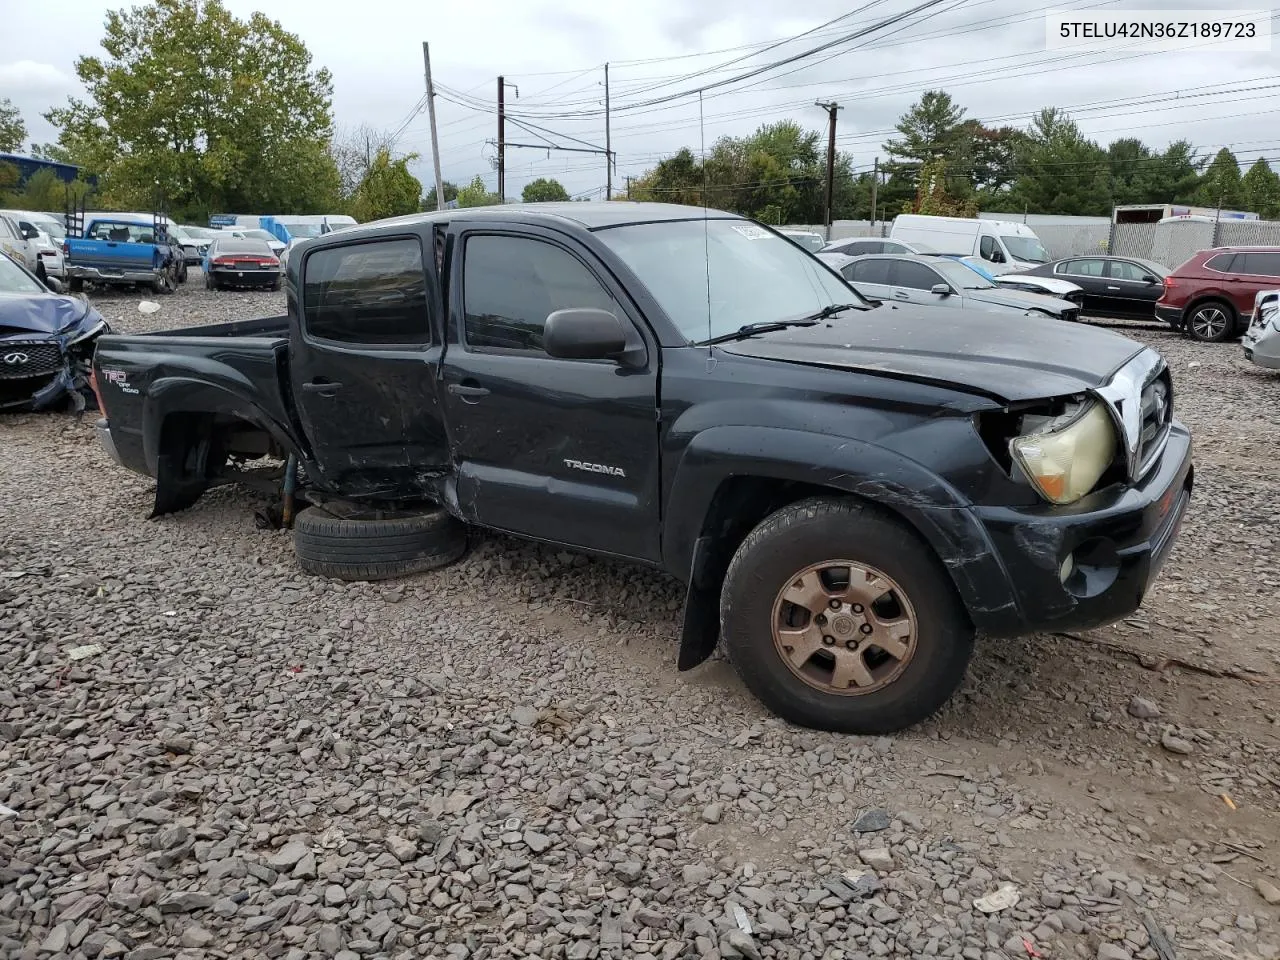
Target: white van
(1005, 245)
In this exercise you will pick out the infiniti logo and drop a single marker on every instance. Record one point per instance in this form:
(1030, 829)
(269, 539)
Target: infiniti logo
(16, 359)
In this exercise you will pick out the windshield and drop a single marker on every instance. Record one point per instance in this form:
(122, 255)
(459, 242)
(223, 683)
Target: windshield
(1027, 249)
(960, 276)
(13, 279)
(810, 241)
(50, 225)
(304, 229)
(979, 269)
(754, 276)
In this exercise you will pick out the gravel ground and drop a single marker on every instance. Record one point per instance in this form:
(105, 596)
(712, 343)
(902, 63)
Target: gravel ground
(500, 760)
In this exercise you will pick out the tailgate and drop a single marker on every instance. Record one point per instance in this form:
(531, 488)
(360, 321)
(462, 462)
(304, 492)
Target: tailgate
(111, 255)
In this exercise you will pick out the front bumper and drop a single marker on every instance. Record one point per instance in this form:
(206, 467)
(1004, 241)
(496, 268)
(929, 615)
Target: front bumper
(1169, 315)
(102, 428)
(1092, 563)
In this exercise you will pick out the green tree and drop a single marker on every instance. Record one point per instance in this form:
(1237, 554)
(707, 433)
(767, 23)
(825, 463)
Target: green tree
(1220, 185)
(44, 190)
(218, 113)
(932, 198)
(1261, 190)
(13, 132)
(476, 194)
(543, 190)
(429, 199)
(934, 128)
(1060, 170)
(677, 179)
(1174, 175)
(387, 190)
(1129, 165)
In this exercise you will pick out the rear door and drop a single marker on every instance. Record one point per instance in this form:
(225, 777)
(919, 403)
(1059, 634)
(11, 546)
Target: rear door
(560, 450)
(1253, 272)
(1132, 293)
(1090, 275)
(362, 367)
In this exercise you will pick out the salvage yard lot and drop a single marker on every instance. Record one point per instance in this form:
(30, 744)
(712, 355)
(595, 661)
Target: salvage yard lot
(499, 759)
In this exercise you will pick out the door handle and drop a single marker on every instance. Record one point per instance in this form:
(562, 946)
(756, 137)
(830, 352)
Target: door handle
(1113, 288)
(899, 295)
(463, 390)
(322, 387)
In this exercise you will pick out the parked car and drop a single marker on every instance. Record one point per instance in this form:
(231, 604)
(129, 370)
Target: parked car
(861, 246)
(233, 262)
(848, 491)
(813, 242)
(941, 281)
(1262, 339)
(1006, 245)
(18, 242)
(43, 233)
(240, 233)
(118, 250)
(46, 341)
(1210, 297)
(193, 246)
(1045, 286)
(1113, 286)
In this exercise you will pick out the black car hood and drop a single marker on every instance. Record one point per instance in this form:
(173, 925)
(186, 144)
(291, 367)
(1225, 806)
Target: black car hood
(22, 314)
(1003, 357)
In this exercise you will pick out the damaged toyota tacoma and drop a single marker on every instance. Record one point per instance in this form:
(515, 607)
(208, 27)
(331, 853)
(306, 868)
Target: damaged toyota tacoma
(848, 490)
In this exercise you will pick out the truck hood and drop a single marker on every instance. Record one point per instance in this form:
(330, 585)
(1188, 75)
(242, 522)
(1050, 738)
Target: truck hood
(992, 354)
(22, 314)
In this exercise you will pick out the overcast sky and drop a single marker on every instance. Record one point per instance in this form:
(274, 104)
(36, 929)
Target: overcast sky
(989, 54)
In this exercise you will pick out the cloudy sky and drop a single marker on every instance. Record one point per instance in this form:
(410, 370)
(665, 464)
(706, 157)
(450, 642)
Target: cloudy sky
(989, 54)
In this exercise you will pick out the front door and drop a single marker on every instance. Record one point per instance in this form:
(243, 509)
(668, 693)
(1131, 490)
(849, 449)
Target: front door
(914, 282)
(362, 369)
(1132, 294)
(1090, 276)
(560, 450)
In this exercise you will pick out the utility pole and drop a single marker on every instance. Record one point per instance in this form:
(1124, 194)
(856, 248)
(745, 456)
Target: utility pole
(431, 113)
(502, 159)
(875, 182)
(629, 188)
(831, 109)
(608, 148)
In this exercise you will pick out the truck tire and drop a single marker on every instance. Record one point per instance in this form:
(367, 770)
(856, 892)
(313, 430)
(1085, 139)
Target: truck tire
(810, 591)
(356, 544)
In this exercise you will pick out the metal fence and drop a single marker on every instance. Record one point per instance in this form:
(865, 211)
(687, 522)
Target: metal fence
(1173, 244)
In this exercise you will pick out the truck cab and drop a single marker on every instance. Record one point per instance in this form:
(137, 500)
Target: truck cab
(122, 250)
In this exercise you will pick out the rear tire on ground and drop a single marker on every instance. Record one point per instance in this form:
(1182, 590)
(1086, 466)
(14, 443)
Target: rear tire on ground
(853, 549)
(1211, 321)
(361, 544)
(75, 285)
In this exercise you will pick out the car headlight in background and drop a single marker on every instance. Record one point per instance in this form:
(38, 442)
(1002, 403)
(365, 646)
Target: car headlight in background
(1065, 456)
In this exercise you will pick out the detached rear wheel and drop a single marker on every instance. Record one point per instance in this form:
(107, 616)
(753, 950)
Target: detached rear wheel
(839, 618)
(351, 542)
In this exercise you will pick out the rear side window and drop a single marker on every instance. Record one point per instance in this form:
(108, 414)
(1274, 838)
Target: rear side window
(1086, 268)
(1258, 264)
(510, 285)
(869, 271)
(371, 293)
(1221, 263)
(916, 276)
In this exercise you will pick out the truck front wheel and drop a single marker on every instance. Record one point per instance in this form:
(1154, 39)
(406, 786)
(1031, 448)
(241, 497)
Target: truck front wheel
(839, 618)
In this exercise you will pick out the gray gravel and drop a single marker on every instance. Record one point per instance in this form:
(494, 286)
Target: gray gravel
(499, 759)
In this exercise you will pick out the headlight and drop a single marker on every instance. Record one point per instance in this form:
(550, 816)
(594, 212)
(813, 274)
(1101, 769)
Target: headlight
(1065, 456)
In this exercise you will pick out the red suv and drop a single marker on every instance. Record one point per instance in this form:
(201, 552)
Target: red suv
(1211, 295)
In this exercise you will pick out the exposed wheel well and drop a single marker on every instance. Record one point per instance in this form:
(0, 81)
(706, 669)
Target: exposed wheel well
(194, 451)
(737, 506)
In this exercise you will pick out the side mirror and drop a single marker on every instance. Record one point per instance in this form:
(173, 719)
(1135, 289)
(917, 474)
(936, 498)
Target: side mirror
(940, 290)
(54, 284)
(997, 256)
(584, 334)
(1148, 278)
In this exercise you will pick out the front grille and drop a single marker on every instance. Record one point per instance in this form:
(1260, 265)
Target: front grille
(22, 360)
(1076, 297)
(18, 393)
(1071, 315)
(1157, 412)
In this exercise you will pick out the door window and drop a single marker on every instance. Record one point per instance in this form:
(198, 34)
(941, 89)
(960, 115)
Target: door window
(860, 247)
(1086, 268)
(510, 285)
(916, 276)
(1259, 264)
(869, 271)
(368, 293)
(1221, 263)
(1124, 270)
(987, 247)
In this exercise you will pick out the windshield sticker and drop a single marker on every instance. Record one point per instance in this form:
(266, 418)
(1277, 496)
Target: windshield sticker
(751, 232)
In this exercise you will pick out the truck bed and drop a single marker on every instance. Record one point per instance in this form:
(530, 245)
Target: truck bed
(270, 327)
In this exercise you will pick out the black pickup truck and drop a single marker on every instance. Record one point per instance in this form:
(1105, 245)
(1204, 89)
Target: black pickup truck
(850, 490)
